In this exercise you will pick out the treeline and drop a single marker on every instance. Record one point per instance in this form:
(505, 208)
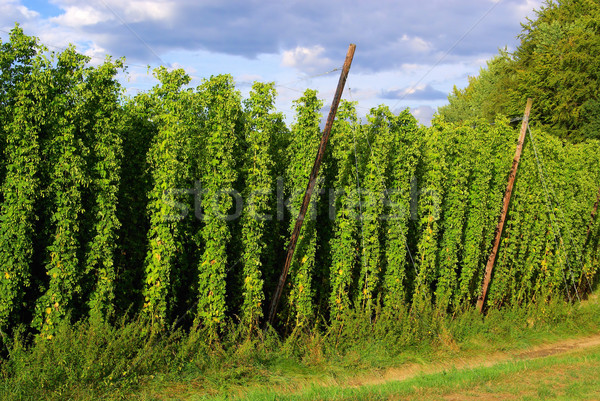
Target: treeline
(177, 204)
(556, 64)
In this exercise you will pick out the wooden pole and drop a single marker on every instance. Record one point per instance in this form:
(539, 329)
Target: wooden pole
(505, 204)
(312, 180)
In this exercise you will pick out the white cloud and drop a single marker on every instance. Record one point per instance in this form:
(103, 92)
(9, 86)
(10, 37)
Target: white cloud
(398, 44)
(138, 11)
(92, 13)
(97, 54)
(27, 13)
(416, 44)
(306, 59)
(12, 11)
(82, 16)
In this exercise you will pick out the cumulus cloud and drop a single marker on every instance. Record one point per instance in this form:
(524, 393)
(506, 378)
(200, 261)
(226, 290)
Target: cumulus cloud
(415, 44)
(387, 35)
(433, 42)
(12, 11)
(82, 16)
(307, 59)
(140, 11)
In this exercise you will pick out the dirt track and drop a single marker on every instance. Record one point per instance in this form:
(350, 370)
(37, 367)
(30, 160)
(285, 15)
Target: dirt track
(410, 370)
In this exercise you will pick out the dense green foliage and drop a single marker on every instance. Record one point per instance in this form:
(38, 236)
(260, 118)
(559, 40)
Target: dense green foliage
(345, 241)
(556, 64)
(176, 205)
(305, 138)
(60, 179)
(263, 127)
(171, 162)
(20, 162)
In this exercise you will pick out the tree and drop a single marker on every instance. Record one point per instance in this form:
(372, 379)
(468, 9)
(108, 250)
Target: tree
(555, 64)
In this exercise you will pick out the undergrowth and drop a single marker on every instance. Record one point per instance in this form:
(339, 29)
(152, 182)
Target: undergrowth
(95, 359)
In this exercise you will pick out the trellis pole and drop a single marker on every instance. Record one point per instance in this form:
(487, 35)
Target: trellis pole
(505, 204)
(311, 183)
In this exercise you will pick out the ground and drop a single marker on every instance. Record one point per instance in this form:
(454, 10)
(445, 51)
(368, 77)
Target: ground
(565, 369)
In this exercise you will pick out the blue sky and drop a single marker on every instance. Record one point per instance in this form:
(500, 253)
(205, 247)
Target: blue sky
(409, 54)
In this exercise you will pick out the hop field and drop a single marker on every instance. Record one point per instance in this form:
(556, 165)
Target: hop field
(177, 204)
(145, 235)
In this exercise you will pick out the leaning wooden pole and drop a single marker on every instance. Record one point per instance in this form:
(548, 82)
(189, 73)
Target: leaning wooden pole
(505, 204)
(312, 180)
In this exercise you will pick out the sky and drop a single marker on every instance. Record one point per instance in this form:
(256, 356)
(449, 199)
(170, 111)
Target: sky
(409, 54)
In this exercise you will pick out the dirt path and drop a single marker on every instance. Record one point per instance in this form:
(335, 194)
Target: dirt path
(408, 370)
(411, 370)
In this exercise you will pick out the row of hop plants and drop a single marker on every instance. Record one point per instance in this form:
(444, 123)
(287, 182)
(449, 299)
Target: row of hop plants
(177, 205)
(61, 155)
(550, 247)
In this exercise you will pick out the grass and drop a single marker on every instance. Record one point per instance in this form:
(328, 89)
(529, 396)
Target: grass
(101, 361)
(564, 377)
